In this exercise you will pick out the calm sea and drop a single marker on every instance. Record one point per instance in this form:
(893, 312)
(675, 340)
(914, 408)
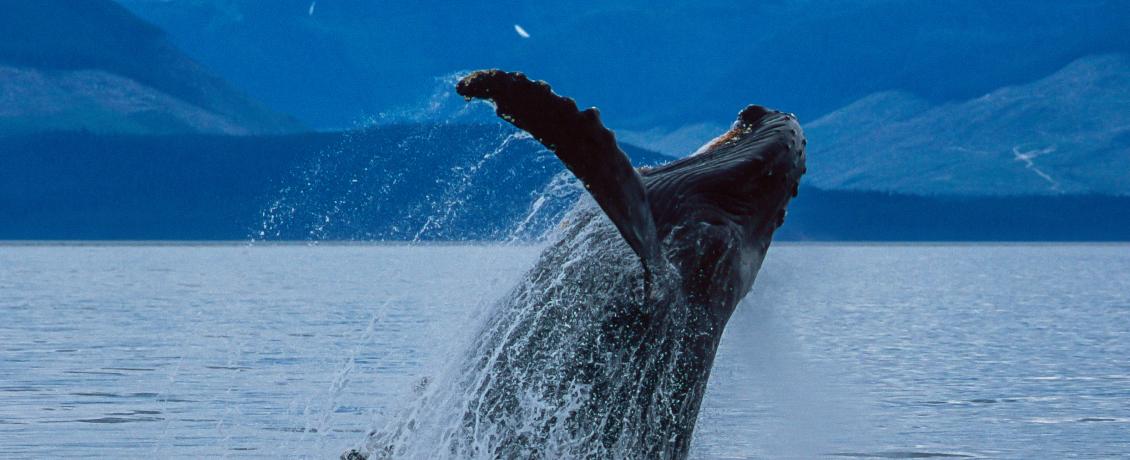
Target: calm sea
(841, 351)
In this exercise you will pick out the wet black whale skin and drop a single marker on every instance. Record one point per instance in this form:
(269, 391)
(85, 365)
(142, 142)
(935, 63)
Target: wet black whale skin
(620, 365)
(741, 182)
(707, 219)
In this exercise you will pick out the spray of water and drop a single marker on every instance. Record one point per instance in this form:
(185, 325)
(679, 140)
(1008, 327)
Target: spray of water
(336, 194)
(454, 197)
(418, 182)
(562, 367)
(552, 369)
(325, 421)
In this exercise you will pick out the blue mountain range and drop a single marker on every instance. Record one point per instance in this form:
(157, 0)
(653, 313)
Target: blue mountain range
(234, 119)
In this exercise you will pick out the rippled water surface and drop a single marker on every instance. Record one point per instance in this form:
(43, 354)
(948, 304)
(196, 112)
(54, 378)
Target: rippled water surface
(296, 351)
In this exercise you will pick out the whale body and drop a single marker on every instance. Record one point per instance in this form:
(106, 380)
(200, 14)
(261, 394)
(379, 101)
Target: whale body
(604, 349)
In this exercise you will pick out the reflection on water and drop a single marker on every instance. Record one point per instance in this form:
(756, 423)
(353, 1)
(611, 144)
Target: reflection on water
(841, 351)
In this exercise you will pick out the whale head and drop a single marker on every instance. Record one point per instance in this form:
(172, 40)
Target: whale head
(718, 207)
(744, 177)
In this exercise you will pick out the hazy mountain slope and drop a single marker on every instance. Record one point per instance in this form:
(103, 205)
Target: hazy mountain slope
(95, 100)
(449, 182)
(836, 52)
(91, 64)
(647, 64)
(1066, 133)
(385, 182)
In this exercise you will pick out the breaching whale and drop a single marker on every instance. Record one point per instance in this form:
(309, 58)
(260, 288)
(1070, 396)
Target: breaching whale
(604, 349)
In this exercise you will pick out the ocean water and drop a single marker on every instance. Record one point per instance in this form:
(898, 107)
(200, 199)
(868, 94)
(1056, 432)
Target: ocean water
(841, 351)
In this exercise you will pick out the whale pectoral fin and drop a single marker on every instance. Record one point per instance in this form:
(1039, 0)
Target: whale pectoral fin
(582, 142)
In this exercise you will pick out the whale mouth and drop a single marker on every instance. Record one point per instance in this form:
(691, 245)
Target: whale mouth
(763, 136)
(747, 174)
(761, 142)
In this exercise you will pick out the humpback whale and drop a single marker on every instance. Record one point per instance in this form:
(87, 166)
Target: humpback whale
(604, 349)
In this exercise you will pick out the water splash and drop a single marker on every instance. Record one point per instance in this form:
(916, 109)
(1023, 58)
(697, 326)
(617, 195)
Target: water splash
(559, 367)
(418, 182)
(413, 182)
(468, 408)
(454, 197)
(323, 422)
(548, 209)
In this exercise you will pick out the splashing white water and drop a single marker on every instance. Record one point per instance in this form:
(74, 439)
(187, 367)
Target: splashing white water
(537, 377)
(455, 196)
(415, 182)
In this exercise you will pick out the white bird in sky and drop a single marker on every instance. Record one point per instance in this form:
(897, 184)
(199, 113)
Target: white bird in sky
(521, 32)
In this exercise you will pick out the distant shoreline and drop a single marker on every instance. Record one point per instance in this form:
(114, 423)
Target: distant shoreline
(388, 184)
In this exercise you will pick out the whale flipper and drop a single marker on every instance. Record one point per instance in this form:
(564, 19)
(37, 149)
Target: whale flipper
(579, 140)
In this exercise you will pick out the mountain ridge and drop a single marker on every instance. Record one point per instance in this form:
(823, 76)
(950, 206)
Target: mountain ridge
(1068, 132)
(93, 65)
